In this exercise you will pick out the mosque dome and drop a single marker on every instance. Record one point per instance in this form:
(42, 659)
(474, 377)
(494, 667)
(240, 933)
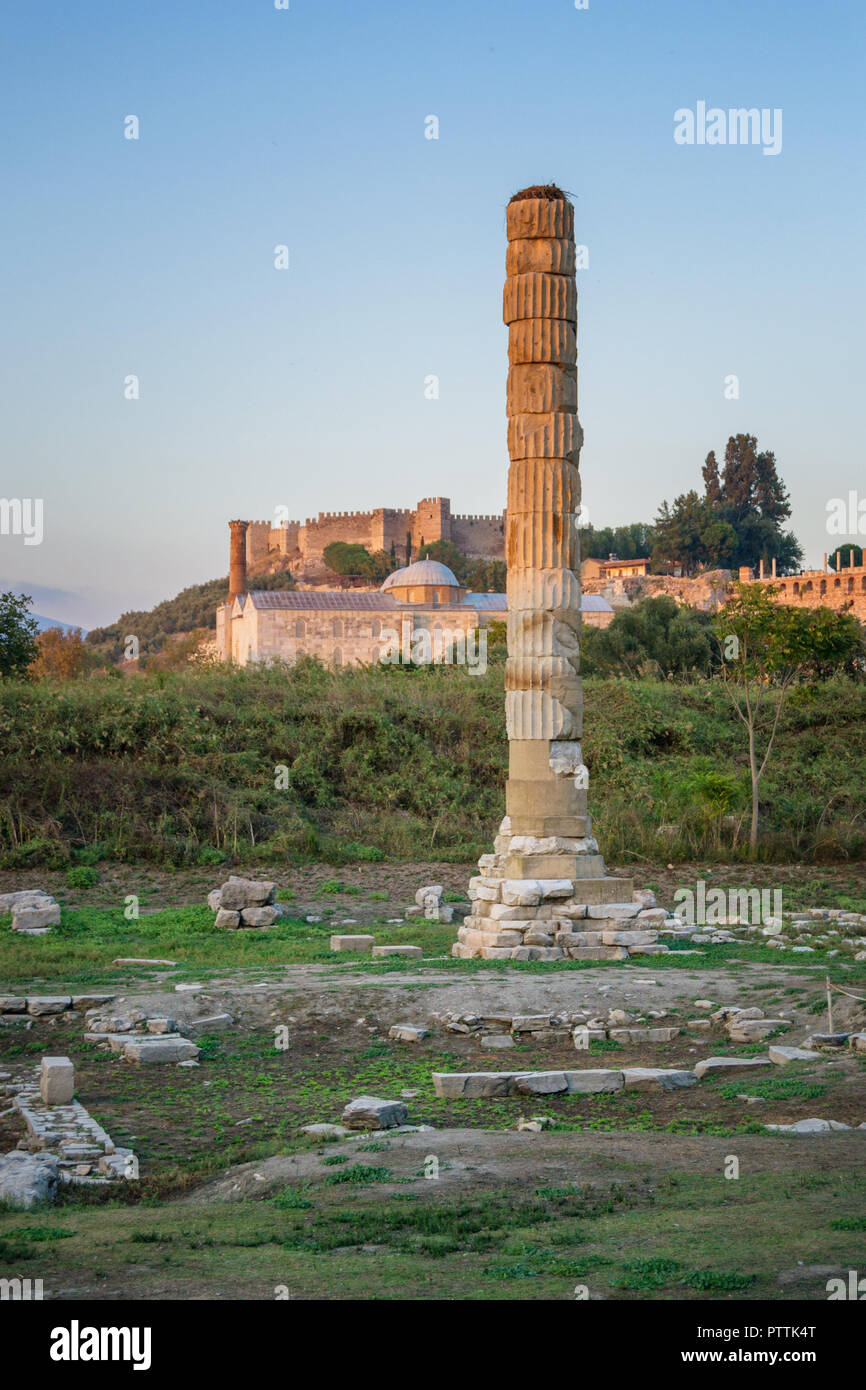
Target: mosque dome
(421, 574)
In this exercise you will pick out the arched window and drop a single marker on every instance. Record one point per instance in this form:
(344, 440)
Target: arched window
(300, 629)
(851, 584)
(337, 628)
(823, 588)
(796, 587)
(837, 583)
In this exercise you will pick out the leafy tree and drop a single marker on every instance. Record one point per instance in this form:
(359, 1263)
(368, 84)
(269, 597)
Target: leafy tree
(712, 482)
(633, 542)
(738, 521)
(486, 576)
(766, 646)
(61, 655)
(840, 559)
(446, 553)
(656, 636)
(356, 562)
(693, 534)
(345, 559)
(17, 635)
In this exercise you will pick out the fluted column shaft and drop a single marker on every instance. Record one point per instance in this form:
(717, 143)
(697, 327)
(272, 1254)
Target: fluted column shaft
(543, 693)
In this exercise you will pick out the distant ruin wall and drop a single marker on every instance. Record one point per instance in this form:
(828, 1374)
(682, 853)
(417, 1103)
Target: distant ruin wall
(844, 592)
(706, 591)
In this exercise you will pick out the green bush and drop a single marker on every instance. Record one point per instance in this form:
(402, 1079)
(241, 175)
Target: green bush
(81, 876)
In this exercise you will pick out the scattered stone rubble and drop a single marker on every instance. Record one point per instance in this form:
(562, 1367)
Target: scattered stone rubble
(358, 942)
(371, 1112)
(743, 1025)
(33, 911)
(591, 1081)
(504, 1030)
(242, 902)
(138, 1038)
(429, 900)
(362, 942)
(18, 1010)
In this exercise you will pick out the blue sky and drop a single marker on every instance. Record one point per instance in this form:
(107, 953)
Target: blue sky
(305, 387)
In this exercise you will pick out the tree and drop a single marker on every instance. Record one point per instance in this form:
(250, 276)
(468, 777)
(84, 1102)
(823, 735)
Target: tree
(356, 562)
(17, 635)
(738, 521)
(655, 636)
(840, 559)
(689, 534)
(712, 482)
(346, 559)
(486, 576)
(446, 553)
(61, 655)
(632, 542)
(766, 647)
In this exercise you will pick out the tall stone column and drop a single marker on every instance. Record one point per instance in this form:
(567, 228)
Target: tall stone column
(544, 894)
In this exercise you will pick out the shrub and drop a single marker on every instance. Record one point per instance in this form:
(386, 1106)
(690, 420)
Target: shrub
(81, 876)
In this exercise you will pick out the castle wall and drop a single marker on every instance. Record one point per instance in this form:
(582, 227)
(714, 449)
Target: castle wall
(390, 527)
(479, 537)
(431, 522)
(284, 539)
(384, 528)
(258, 545)
(355, 528)
(264, 540)
(845, 591)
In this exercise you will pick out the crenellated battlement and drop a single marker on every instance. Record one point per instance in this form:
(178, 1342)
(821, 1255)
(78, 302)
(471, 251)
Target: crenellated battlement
(400, 530)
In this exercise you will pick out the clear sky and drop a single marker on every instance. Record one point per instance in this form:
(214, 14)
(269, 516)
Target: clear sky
(305, 387)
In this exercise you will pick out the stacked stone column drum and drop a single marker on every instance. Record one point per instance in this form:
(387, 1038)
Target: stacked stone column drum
(546, 874)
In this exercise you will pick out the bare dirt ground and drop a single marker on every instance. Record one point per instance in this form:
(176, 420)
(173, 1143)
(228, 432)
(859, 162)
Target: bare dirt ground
(470, 1159)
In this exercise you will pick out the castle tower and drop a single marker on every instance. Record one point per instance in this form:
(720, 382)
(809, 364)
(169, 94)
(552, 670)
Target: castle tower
(546, 878)
(237, 558)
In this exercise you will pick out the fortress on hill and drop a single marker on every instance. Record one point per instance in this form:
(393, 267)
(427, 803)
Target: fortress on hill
(400, 532)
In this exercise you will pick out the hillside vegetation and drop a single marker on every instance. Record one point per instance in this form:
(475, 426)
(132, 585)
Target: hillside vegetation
(291, 763)
(193, 610)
